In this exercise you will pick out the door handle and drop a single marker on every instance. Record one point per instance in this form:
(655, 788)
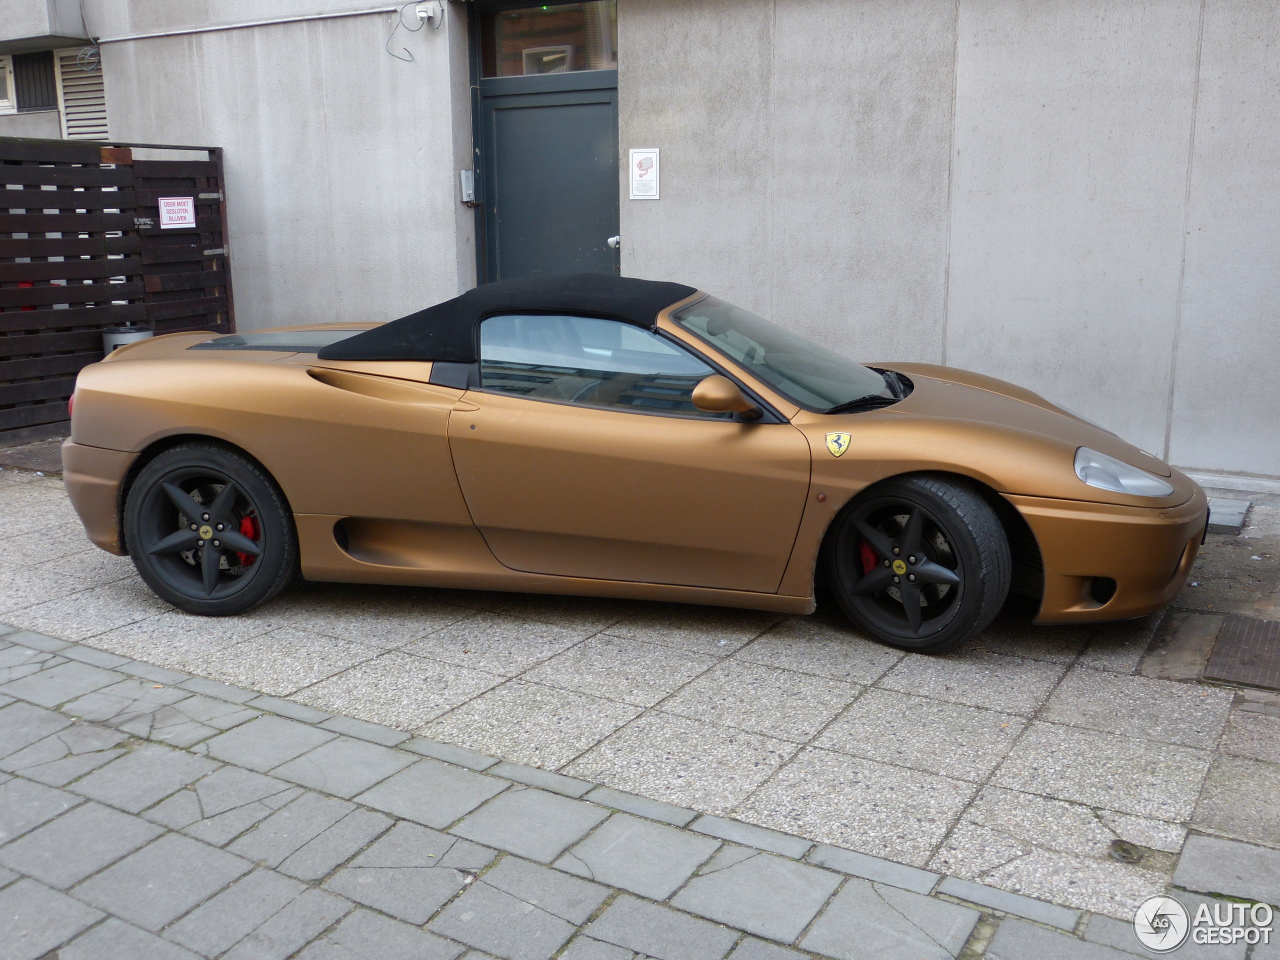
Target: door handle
(614, 242)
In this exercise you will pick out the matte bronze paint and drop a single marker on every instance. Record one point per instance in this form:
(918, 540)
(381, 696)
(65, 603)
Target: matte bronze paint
(574, 500)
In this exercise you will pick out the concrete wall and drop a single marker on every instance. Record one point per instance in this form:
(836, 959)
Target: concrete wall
(23, 20)
(1083, 197)
(1226, 391)
(1079, 195)
(804, 164)
(340, 159)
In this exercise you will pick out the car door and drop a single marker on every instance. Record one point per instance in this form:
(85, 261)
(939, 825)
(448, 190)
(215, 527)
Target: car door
(581, 455)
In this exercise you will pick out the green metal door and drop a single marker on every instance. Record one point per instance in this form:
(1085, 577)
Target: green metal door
(549, 174)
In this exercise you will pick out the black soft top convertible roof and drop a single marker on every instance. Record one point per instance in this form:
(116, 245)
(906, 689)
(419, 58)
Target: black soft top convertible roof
(449, 331)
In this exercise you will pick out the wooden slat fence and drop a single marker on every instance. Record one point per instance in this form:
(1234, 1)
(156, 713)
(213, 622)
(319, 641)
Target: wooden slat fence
(82, 251)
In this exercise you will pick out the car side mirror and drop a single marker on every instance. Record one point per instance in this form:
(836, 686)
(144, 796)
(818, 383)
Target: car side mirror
(717, 394)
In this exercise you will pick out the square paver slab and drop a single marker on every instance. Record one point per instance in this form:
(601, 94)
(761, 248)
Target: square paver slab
(398, 690)
(1119, 934)
(660, 932)
(823, 647)
(77, 844)
(550, 890)
(67, 681)
(367, 936)
(753, 949)
(683, 761)
(162, 881)
(876, 808)
(412, 894)
(344, 767)
(267, 742)
(1214, 865)
(496, 643)
(1190, 714)
(531, 723)
(1142, 777)
(931, 735)
(1239, 800)
(22, 724)
(24, 805)
(870, 920)
(142, 777)
(707, 630)
(117, 940)
(629, 671)
(222, 922)
(502, 925)
(764, 895)
(311, 836)
(585, 948)
(646, 858)
(763, 699)
(531, 823)
(35, 920)
(435, 794)
(297, 924)
(280, 662)
(976, 679)
(410, 872)
(1016, 940)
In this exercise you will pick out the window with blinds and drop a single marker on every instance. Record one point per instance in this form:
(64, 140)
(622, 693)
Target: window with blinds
(81, 94)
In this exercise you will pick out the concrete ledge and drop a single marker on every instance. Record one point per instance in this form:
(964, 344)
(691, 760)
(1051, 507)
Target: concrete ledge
(1005, 902)
(533, 777)
(873, 868)
(752, 836)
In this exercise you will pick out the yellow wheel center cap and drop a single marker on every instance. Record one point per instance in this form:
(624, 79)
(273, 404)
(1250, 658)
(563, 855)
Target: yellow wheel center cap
(206, 533)
(899, 567)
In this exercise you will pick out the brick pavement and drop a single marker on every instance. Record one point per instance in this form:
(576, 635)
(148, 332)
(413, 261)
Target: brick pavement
(147, 814)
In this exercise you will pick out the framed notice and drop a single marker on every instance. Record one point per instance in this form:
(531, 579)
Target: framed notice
(177, 212)
(644, 174)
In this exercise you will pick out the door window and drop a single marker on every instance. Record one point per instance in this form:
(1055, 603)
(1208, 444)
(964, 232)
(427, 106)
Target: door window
(590, 362)
(559, 38)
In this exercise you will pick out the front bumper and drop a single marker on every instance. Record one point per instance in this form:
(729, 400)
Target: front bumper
(93, 476)
(1148, 552)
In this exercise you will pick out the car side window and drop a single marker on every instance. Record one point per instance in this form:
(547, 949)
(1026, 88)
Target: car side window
(590, 362)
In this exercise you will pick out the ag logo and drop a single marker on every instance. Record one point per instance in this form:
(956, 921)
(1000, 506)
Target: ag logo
(1161, 924)
(899, 567)
(837, 443)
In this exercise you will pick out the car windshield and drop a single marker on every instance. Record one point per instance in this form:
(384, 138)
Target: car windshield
(811, 376)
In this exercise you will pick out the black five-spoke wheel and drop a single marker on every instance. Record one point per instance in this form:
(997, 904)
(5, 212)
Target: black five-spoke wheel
(920, 562)
(209, 531)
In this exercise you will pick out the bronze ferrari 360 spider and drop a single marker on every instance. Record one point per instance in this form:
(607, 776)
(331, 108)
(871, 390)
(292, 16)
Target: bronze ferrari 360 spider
(615, 437)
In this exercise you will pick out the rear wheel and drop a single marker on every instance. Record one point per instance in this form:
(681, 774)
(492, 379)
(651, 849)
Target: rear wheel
(209, 531)
(921, 563)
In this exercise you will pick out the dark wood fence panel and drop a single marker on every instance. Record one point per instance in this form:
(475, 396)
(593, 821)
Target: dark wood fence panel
(82, 252)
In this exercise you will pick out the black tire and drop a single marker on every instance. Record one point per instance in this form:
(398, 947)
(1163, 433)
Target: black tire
(922, 544)
(236, 506)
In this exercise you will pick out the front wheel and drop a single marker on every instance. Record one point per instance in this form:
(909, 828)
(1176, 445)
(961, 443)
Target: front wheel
(921, 563)
(209, 531)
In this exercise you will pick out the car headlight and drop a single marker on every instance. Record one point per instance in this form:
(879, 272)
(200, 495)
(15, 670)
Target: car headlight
(1107, 473)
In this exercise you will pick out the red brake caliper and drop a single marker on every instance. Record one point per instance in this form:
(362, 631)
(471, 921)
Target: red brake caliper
(868, 557)
(249, 528)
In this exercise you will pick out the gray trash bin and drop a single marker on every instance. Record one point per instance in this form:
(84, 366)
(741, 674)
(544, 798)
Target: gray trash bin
(119, 336)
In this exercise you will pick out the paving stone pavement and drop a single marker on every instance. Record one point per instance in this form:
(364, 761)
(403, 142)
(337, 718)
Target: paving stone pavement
(1011, 764)
(266, 832)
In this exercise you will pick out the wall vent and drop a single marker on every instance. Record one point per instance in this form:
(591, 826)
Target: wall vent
(82, 98)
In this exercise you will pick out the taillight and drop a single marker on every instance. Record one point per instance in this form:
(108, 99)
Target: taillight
(71, 402)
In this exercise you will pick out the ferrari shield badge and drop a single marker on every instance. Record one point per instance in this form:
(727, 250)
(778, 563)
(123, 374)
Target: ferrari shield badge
(837, 443)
